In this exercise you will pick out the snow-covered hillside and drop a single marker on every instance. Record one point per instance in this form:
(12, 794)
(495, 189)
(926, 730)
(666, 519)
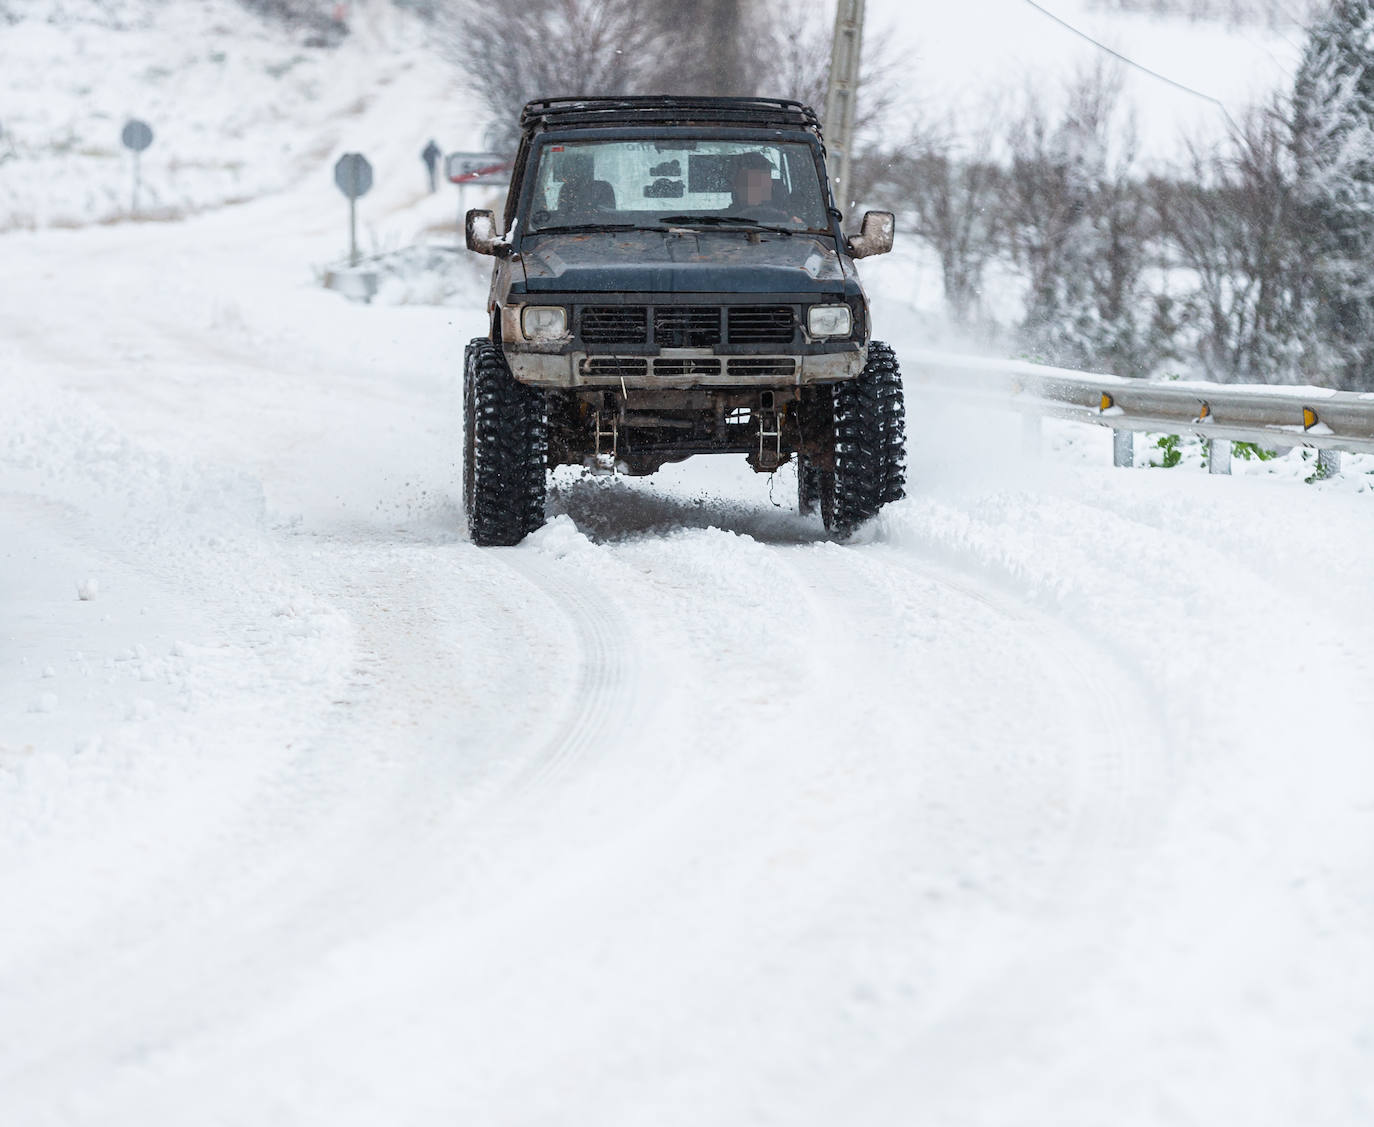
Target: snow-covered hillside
(238, 108)
(1049, 800)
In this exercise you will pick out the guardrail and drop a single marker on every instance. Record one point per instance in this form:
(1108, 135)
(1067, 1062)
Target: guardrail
(1269, 416)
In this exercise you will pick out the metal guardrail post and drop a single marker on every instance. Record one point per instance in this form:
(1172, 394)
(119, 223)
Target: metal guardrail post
(1123, 448)
(1328, 462)
(1218, 455)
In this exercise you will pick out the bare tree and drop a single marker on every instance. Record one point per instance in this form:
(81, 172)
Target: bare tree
(707, 46)
(791, 59)
(1233, 220)
(944, 180)
(512, 54)
(792, 52)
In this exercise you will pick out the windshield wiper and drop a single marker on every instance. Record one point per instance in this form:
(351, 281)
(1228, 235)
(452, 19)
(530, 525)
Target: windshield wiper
(564, 228)
(748, 222)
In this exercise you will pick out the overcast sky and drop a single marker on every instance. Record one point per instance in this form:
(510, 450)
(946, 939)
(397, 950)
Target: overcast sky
(965, 49)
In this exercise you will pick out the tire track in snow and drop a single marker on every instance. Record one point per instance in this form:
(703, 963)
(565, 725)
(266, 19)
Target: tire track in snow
(1112, 753)
(600, 699)
(1114, 702)
(1121, 775)
(354, 835)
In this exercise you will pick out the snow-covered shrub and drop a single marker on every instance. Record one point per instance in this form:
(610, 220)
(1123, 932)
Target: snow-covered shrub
(1077, 226)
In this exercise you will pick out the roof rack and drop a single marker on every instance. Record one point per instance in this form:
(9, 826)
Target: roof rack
(666, 109)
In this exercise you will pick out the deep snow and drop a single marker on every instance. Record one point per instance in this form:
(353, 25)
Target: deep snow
(1047, 801)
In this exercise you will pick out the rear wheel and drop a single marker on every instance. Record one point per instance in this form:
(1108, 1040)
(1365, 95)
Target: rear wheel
(505, 449)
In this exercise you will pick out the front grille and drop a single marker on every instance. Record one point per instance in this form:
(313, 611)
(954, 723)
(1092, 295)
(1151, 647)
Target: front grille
(615, 324)
(671, 369)
(687, 326)
(754, 366)
(616, 366)
(761, 324)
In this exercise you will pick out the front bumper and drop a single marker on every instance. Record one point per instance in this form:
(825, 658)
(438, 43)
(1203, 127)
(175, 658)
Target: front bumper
(683, 368)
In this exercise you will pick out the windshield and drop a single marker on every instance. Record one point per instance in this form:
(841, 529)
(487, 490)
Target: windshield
(677, 182)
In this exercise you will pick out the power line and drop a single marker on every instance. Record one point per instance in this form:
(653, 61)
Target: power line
(1132, 63)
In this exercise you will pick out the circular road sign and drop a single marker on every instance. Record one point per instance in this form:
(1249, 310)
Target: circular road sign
(353, 175)
(137, 135)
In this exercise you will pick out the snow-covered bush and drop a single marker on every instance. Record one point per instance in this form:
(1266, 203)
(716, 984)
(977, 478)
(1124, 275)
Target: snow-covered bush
(1077, 227)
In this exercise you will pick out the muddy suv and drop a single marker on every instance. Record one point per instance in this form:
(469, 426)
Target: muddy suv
(671, 279)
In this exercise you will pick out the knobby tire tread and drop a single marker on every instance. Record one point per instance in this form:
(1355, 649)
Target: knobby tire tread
(870, 441)
(506, 449)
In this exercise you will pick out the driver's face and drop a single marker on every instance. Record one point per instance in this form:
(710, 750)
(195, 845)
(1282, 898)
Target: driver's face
(756, 185)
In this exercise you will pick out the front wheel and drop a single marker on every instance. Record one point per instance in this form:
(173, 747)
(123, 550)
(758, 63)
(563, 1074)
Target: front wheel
(505, 449)
(870, 441)
(815, 489)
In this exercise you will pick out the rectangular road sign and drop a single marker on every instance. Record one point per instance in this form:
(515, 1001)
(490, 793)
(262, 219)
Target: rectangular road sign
(471, 168)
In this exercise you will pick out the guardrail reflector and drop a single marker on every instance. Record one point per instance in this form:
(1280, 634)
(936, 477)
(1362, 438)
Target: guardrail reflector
(1309, 418)
(1107, 402)
(1204, 415)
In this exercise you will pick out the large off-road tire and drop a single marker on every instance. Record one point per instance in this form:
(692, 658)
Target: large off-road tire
(882, 362)
(870, 441)
(505, 449)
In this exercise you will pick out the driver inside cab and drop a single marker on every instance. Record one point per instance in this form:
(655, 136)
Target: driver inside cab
(752, 191)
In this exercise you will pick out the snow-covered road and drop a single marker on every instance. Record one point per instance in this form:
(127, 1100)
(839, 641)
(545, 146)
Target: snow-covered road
(1048, 801)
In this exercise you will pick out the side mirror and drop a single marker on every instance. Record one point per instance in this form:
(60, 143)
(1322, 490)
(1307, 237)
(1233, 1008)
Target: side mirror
(875, 235)
(480, 229)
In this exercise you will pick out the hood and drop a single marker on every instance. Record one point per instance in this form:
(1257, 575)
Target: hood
(691, 262)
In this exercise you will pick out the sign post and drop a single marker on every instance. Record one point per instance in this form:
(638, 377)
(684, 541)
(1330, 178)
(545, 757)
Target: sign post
(137, 136)
(353, 175)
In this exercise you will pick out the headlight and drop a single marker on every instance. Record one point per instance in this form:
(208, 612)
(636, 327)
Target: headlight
(543, 322)
(829, 320)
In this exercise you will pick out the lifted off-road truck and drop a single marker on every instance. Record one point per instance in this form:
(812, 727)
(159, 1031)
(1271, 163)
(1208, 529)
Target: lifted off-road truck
(671, 279)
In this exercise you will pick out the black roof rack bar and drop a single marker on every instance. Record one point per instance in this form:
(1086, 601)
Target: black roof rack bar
(665, 108)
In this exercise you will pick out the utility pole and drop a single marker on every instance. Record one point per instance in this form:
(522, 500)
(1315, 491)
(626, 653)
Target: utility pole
(842, 93)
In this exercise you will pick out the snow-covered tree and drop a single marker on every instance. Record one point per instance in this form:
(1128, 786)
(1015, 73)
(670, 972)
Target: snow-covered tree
(1077, 225)
(1333, 143)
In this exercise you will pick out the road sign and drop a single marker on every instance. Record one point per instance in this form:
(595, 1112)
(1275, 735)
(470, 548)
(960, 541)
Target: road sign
(353, 175)
(137, 135)
(469, 168)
